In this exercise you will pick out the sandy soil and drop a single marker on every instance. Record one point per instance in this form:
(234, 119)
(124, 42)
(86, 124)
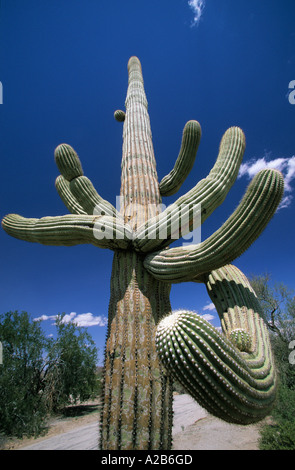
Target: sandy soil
(193, 429)
(60, 425)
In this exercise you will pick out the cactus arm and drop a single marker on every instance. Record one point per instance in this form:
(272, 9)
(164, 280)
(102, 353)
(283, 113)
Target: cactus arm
(86, 195)
(68, 162)
(79, 194)
(234, 381)
(191, 136)
(63, 188)
(209, 192)
(68, 230)
(242, 228)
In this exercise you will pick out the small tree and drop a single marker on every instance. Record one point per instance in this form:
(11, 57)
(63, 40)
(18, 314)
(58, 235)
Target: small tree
(71, 372)
(22, 409)
(278, 309)
(41, 374)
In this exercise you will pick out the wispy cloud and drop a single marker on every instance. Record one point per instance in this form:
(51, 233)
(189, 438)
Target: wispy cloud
(83, 319)
(285, 165)
(209, 307)
(197, 6)
(208, 317)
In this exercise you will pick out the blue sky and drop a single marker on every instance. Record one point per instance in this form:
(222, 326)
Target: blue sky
(64, 73)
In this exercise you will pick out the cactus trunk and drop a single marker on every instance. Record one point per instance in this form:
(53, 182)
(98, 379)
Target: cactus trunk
(137, 398)
(137, 394)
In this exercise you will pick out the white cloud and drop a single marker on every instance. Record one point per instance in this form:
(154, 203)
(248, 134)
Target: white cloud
(45, 317)
(209, 307)
(88, 319)
(197, 6)
(285, 165)
(207, 317)
(83, 319)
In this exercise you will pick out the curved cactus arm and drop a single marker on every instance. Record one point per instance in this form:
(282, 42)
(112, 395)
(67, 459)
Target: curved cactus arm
(209, 192)
(79, 194)
(231, 375)
(191, 136)
(63, 188)
(68, 230)
(238, 387)
(242, 228)
(86, 195)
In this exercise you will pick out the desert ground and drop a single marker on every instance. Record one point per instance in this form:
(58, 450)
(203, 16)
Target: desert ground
(193, 429)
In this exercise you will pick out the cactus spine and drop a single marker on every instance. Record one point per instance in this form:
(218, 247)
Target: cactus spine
(232, 375)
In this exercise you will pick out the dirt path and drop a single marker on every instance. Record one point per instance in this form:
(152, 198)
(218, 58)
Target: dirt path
(193, 429)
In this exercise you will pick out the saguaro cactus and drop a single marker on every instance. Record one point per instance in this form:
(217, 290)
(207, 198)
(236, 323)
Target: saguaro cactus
(232, 375)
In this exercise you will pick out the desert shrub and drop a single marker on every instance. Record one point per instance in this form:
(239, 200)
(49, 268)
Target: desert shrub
(40, 374)
(280, 436)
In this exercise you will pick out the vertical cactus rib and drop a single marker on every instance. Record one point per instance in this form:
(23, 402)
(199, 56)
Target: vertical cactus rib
(191, 136)
(242, 228)
(140, 196)
(209, 192)
(135, 397)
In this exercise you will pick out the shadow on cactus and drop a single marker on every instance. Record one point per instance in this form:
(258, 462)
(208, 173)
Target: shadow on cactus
(232, 375)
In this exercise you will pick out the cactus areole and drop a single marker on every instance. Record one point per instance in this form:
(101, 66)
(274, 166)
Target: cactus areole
(231, 374)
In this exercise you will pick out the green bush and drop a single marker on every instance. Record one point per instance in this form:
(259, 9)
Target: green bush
(41, 375)
(280, 436)
(285, 406)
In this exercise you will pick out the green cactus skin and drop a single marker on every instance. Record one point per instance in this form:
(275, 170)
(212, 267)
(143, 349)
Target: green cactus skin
(137, 399)
(231, 240)
(69, 230)
(86, 195)
(68, 162)
(238, 387)
(63, 188)
(210, 192)
(231, 375)
(191, 136)
(119, 115)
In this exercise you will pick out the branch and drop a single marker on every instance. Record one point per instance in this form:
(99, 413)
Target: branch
(171, 183)
(86, 195)
(234, 237)
(69, 230)
(76, 191)
(232, 376)
(63, 188)
(209, 192)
